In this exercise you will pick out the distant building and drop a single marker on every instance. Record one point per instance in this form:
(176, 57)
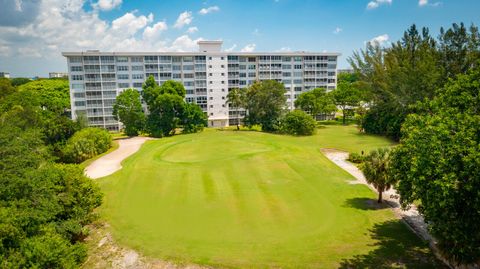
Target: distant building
(4, 75)
(57, 75)
(96, 78)
(345, 71)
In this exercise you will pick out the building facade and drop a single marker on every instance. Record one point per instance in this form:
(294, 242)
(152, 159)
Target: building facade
(57, 75)
(4, 75)
(96, 78)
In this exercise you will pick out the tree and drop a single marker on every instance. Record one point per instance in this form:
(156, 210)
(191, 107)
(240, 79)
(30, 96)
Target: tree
(347, 97)
(236, 100)
(316, 102)
(265, 102)
(128, 110)
(193, 118)
(297, 122)
(375, 168)
(19, 81)
(6, 88)
(437, 165)
(86, 144)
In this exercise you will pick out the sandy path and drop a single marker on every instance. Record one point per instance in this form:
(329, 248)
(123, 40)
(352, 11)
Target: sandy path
(411, 216)
(110, 163)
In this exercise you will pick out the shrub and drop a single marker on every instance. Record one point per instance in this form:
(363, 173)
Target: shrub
(86, 144)
(355, 158)
(297, 122)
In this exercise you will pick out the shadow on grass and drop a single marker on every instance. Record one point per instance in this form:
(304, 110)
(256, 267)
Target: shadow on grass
(364, 203)
(396, 247)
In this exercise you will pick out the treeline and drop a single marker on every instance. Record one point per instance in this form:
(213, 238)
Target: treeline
(167, 110)
(411, 70)
(425, 92)
(45, 204)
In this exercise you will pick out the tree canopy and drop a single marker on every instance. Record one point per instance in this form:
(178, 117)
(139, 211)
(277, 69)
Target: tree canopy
(438, 164)
(315, 102)
(128, 110)
(265, 103)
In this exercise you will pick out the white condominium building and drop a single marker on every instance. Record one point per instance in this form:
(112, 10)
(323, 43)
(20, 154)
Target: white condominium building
(96, 78)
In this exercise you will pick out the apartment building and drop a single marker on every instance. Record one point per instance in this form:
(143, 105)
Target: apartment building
(96, 78)
(57, 75)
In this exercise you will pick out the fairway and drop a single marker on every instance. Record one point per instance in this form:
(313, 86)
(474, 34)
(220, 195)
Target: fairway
(255, 200)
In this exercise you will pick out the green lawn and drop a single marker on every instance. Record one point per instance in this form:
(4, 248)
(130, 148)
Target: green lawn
(255, 200)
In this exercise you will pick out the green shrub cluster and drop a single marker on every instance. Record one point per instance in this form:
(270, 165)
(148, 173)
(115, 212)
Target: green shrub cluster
(86, 144)
(356, 158)
(297, 122)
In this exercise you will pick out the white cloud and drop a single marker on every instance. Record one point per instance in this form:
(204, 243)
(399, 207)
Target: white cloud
(423, 3)
(185, 18)
(376, 3)
(68, 27)
(107, 4)
(234, 46)
(131, 23)
(337, 30)
(248, 48)
(380, 40)
(184, 43)
(207, 10)
(284, 49)
(192, 30)
(18, 5)
(153, 32)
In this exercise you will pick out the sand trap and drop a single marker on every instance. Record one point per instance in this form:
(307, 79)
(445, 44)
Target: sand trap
(110, 163)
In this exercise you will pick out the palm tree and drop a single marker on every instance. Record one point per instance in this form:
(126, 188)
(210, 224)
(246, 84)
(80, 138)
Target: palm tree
(375, 169)
(235, 99)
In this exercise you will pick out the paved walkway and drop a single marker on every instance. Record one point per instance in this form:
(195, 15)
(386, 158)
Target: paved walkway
(110, 163)
(411, 216)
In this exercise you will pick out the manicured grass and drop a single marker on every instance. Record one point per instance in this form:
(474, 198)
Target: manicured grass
(256, 200)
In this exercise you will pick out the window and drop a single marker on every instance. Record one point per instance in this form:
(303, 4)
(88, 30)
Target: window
(188, 83)
(176, 67)
(210, 66)
(298, 89)
(188, 67)
(124, 85)
(223, 97)
(297, 66)
(223, 82)
(287, 74)
(286, 58)
(75, 59)
(188, 75)
(76, 68)
(223, 58)
(77, 86)
(251, 67)
(211, 98)
(121, 59)
(123, 76)
(222, 66)
(187, 59)
(176, 59)
(77, 77)
(210, 58)
(79, 103)
(137, 84)
(176, 76)
(223, 90)
(210, 82)
(297, 59)
(137, 76)
(210, 74)
(223, 74)
(136, 59)
(122, 68)
(79, 95)
(137, 68)
(211, 106)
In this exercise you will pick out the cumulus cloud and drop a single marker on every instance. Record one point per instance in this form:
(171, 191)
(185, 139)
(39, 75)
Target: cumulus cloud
(380, 40)
(337, 30)
(131, 23)
(376, 3)
(153, 32)
(207, 10)
(234, 46)
(107, 4)
(18, 12)
(248, 48)
(184, 43)
(192, 30)
(185, 18)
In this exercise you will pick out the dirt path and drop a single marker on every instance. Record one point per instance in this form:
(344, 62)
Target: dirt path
(110, 163)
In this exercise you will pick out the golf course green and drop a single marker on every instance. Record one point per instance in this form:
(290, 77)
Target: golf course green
(242, 199)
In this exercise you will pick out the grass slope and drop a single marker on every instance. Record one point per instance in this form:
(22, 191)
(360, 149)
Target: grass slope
(256, 200)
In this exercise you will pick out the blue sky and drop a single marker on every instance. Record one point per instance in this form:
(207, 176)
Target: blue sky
(33, 33)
